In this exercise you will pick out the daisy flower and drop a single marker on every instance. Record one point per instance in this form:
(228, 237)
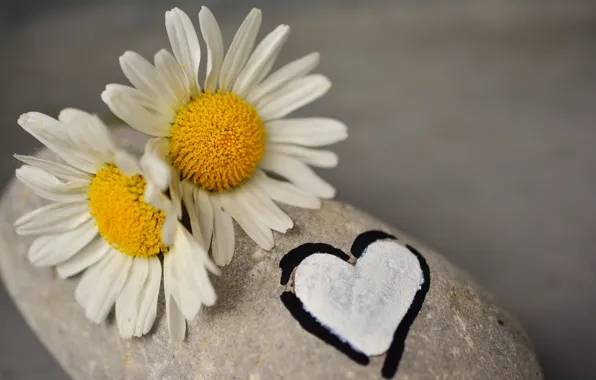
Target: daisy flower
(109, 218)
(227, 137)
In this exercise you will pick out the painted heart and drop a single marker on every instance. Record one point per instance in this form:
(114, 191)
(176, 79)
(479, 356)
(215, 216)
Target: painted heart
(363, 309)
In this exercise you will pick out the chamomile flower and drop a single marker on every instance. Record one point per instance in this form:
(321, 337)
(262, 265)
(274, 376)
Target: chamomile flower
(109, 218)
(226, 137)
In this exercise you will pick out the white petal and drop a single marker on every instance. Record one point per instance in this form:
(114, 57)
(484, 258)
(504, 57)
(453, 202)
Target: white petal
(176, 192)
(37, 119)
(312, 132)
(89, 255)
(291, 71)
(185, 45)
(158, 175)
(313, 157)
(49, 250)
(292, 96)
(109, 283)
(191, 208)
(135, 94)
(64, 172)
(133, 113)
(205, 212)
(261, 60)
(261, 207)
(181, 289)
(69, 114)
(127, 163)
(128, 301)
(169, 228)
(240, 49)
(196, 264)
(287, 193)
(140, 73)
(203, 283)
(176, 321)
(160, 147)
(298, 173)
(48, 186)
(172, 75)
(88, 134)
(215, 48)
(53, 218)
(144, 76)
(155, 197)
(162, 111)
(222, 246)
(54, 135)
(198, 255)
(90, 278)
(87, 131)
(148, 298)
(233, 204)
(155, 169)
(264, 72)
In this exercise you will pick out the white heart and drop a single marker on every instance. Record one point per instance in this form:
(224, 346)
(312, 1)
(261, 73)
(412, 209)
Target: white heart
(361, 304)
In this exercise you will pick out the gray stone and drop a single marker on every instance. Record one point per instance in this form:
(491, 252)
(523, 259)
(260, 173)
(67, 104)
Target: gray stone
(460, 332)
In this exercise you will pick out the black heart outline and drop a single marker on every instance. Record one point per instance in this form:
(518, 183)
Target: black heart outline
(294, 305)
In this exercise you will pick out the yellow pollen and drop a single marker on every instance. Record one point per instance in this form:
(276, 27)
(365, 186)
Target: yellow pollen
(123, 218)
(217, 140)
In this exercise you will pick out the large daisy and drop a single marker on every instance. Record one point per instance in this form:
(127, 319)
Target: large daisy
(109, 218)
(226, 137)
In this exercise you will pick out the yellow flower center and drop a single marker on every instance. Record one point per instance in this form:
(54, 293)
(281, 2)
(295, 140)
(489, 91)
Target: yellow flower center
(123, 218)
(217, 140)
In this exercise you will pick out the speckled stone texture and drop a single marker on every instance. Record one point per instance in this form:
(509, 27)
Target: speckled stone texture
(460, 333)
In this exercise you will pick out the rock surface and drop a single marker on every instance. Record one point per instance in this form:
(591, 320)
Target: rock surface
(460, 332)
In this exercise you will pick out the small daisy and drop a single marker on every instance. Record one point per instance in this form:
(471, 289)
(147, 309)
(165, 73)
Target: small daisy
(110, 218)
(225, 138)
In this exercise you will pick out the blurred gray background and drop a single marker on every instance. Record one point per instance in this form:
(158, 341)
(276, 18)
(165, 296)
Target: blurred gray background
(472, 127)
